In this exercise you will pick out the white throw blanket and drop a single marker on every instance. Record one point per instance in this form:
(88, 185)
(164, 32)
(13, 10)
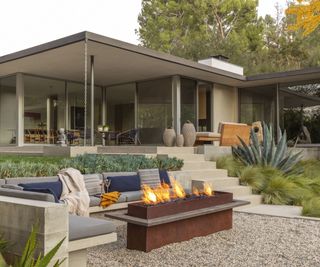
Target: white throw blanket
(74, 192)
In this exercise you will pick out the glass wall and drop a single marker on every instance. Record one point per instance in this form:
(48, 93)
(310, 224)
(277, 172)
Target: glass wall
(258, 104)
(121, 107)
(8, 111)
(188, 101)
(300, 111)
(44, 109)
(154, 109)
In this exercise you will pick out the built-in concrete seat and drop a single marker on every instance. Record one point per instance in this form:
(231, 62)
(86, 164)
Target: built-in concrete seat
(84, 227)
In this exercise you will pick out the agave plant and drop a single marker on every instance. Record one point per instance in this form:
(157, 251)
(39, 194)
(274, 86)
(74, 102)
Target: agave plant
(266, 153)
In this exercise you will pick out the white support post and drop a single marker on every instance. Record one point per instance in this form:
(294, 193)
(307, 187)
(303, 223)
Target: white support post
(20, 109)
(176, 103)
(92, 100)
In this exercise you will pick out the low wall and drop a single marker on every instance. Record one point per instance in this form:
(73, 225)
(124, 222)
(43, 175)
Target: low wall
(68, 151)
(212, 153)
(17, 216)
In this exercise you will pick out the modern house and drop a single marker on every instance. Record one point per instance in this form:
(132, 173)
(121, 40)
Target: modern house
(85, 80)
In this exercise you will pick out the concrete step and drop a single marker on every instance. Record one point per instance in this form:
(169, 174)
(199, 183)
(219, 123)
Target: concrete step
(195, 174)
(198, 165)
(188, 157)
(218, 182)
(176, 150)
(237, 191)
(254, 201)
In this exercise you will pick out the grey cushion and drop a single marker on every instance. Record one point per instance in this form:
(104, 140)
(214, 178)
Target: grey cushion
(84, 227)
(27, 195)
(12, 186)
(132, 195)
(94, 201)
(2, 181)
(25, 180)
(150, 177)
(93, 183)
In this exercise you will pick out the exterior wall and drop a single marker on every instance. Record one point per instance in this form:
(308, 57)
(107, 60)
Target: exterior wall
(225, 104)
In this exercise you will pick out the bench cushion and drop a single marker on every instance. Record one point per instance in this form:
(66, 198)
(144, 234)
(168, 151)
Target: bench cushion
(93, 183)
(208, 134)
(25, 180)
(84, 227)
(27, 195)
(2, 181)
(132, 196)
(150, 177)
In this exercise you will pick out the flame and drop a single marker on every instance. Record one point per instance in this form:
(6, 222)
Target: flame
(162, 193)
(207, 190)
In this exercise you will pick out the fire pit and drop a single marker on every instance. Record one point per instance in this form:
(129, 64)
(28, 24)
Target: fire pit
(152, 224)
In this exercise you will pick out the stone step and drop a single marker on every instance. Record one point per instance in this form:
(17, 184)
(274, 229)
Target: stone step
(188, 157)
(218, 182)
(198, 165)
(254, 201)
(176, 150)
(238, 191)
(195, 174)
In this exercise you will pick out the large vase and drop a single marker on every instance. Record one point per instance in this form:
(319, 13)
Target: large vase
(179, 140)
(189, 133)
(169, 137)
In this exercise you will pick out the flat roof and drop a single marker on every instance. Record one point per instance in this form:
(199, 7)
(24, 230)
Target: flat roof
(120, 62)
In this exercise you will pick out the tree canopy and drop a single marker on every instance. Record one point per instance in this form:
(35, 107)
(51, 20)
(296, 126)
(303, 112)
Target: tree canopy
(196, 29)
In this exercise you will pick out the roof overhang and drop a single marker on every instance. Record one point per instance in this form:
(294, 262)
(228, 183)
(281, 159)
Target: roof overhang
(115, 62)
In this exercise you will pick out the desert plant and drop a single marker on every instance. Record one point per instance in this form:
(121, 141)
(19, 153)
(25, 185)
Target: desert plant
(266, 153)
(28, 258)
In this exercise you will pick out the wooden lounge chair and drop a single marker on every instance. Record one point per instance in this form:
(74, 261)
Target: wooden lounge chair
(231, 131)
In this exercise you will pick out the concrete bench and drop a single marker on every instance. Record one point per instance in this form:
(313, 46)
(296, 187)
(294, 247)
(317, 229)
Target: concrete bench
(19, 215)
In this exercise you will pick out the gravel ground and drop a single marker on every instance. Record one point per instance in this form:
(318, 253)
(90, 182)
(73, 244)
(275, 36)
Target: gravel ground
(255, 240)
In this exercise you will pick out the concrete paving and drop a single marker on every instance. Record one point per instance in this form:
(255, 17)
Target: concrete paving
(274, 210)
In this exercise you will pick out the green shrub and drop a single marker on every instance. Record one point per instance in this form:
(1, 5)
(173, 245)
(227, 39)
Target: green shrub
(230, 164)
(311, 207)
(279, 190)
(253, 177)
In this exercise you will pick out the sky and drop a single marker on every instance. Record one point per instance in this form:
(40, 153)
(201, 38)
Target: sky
(26, 23)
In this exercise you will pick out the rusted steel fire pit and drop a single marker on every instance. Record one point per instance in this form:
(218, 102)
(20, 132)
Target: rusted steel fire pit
(153, 226)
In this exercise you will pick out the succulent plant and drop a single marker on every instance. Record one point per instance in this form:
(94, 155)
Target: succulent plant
(267, 152)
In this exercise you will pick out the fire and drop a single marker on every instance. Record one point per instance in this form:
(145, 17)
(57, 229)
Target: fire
(163, 193)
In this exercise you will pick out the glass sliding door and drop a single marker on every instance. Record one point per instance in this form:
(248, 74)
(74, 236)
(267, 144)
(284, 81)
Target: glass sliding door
(258, 104)
(44, 109)
(188, 101)
(205, 108)
(300, 111)
(121, 107)
(154, 109)
(8, 111)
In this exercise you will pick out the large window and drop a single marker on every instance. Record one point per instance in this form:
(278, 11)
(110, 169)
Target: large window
(44, 109)
(188, 101)
(258, 104)
(8, 111)
(300, 111)
(154, 109)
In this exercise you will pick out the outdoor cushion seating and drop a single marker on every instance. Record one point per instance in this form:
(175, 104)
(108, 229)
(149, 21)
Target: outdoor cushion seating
(26, 195)
(202, 137)
(150, 177)
(230, 133)
(84, 227)
(124, 183)
(2, 182)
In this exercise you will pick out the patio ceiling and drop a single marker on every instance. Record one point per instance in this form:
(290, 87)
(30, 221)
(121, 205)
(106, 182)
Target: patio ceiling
(116, 62)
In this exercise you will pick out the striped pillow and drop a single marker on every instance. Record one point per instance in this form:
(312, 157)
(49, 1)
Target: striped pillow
(93, 184)
(149, 177)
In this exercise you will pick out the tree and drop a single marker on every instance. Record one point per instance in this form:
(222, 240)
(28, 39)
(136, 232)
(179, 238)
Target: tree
(196, 28)
(307, 16)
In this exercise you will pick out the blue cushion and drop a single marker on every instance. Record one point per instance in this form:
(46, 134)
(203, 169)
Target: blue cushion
(164, 177)
(124, 183)
(53, 188)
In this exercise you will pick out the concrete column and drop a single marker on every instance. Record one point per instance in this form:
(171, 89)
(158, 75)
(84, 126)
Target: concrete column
(92, 100)
(20, 109)
(66, 98)
(136, 106)
(48, 119)
(85, 90)
(176, 103)
(197, 107)
(104, 109)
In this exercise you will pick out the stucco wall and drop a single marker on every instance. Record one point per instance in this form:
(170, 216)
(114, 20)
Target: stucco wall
(225, 105)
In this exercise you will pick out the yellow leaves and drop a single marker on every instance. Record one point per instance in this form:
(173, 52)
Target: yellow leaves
(307, 16)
